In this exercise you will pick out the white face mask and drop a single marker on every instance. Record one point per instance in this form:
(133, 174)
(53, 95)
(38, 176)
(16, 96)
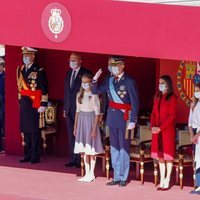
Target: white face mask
(73, 64)
(110, 68)
(115, 70)
(26, 60)
(197, 95)
(85, 86)
(162, 87)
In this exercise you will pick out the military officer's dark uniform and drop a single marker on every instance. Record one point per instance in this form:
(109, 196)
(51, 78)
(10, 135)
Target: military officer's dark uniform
(33, 95)
(122, 109)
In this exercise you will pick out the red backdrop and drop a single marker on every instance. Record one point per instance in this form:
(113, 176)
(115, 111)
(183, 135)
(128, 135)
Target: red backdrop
(56, 65)
(98, 26)
(109, 27)
(170, 67)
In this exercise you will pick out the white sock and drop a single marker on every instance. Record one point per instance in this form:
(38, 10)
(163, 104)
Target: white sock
(169, 171)
(87, 166)
(87, 170)
(92, 166)
(162, 173)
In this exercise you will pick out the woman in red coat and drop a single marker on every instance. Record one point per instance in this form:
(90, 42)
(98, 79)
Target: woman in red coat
(163, 129)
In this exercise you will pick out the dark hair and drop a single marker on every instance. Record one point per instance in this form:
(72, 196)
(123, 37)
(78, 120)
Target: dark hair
(194, 99)
(169, 83)
(81, 91)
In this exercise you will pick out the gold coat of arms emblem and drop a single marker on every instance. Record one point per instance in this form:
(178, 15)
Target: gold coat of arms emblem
(188, 74)
(56, 23)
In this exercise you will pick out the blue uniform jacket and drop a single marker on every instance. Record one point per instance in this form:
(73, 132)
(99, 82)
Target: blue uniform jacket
(127, 91)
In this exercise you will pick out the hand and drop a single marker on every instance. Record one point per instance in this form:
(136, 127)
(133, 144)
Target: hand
(42, 109)
(74, 132)
(101, 120)
(195, 139)
(97, 75)
(64, 115)
(131, 126)
(155, 130)
(93, 134)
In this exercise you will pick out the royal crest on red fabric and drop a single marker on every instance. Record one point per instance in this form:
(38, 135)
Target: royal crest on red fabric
(187, 75)
(56, 22)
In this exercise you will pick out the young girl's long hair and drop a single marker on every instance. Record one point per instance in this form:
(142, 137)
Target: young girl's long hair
(194, 99)
(81, 91)
(170, 90)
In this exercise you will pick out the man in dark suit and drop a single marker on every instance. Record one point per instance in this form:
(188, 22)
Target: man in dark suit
(71, 88)
(33, 97)
(121, 115)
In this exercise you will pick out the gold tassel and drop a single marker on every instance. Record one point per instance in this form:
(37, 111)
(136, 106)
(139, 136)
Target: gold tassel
(41, 120)
(127, 134)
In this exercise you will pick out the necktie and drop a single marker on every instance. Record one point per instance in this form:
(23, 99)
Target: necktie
(73, 78)
(116, 80)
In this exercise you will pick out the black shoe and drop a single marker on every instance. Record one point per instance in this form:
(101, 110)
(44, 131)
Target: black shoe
(24, 160)
(70, 164)
(122, 184)
(78, 165)
(113, 183)
(195, 192)
(34, 161)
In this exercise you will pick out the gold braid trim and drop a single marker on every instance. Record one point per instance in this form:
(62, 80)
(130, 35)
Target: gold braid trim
(19, 78)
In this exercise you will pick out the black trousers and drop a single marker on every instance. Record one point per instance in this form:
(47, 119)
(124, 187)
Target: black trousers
(71, 139)
(32, 147)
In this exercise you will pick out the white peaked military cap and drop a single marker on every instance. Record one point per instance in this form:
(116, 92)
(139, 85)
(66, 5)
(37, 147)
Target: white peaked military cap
(28, 50)
(2, 61)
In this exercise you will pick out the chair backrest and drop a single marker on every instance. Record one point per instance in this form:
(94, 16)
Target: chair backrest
(51, 113)
(184, 138)
(145, 133)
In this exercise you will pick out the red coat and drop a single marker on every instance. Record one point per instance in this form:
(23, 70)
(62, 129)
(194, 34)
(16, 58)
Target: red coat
(163, 145)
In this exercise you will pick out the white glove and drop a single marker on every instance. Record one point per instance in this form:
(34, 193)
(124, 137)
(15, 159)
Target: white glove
(42, 109)
(131, 126)
(97, 75)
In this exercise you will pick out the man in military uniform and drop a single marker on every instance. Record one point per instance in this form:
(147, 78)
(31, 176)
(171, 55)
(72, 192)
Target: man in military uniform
(2, 100)
(33, 97)
(121, 115)
(71, 88)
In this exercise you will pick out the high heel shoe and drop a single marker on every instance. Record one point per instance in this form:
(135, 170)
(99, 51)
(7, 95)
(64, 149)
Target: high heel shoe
(166, 185)
(160, 187)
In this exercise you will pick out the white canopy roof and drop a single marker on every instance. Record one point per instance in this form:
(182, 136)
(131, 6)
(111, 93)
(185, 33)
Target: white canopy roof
(170, 2)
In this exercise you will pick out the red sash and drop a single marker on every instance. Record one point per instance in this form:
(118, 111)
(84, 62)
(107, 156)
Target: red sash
(34, 95)
(121, 106)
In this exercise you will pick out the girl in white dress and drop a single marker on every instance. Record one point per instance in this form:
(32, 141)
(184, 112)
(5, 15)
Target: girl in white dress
(194, 128)
(86, 130)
